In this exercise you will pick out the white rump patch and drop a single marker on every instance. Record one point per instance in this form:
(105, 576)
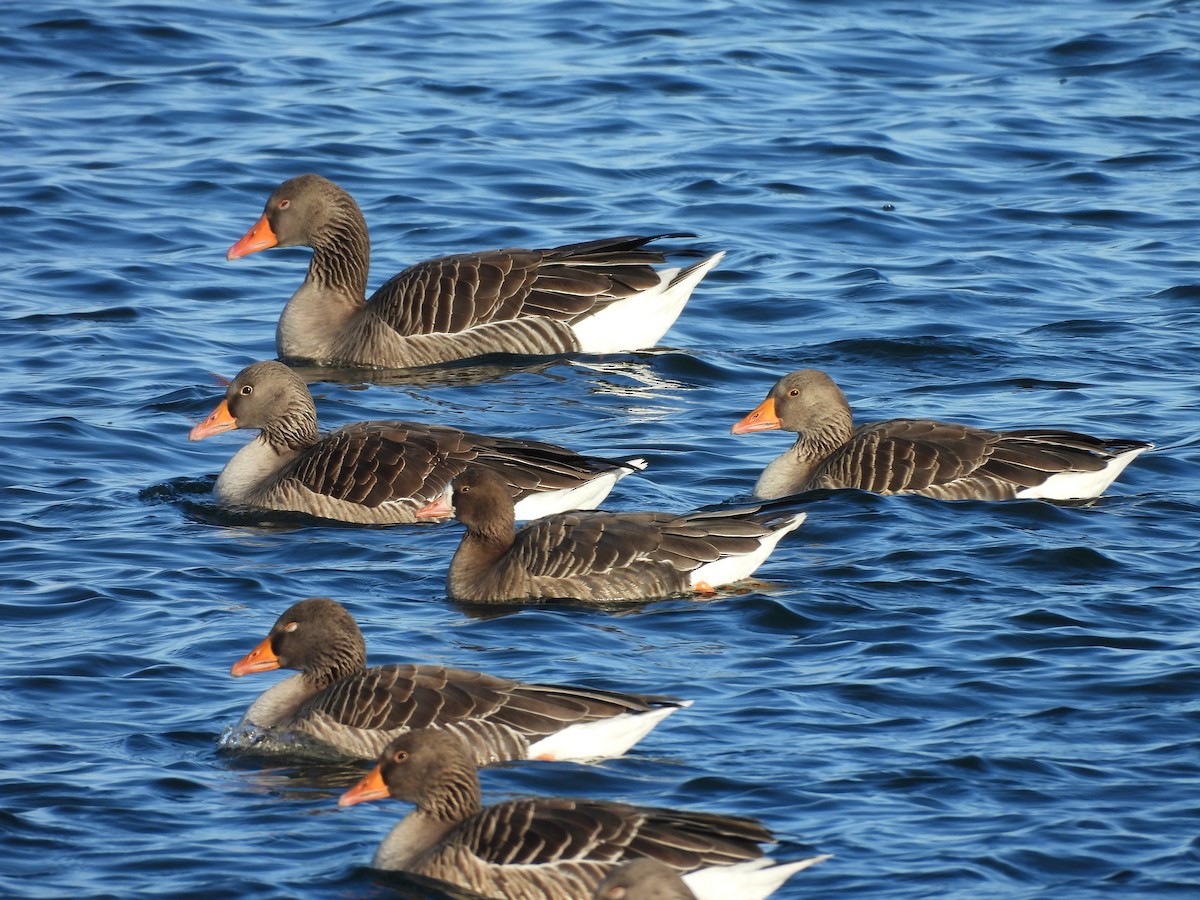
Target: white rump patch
(638, 322)
(752, 880)
(734, 568)
(603, 738)
(587, 495)
(1081, 485)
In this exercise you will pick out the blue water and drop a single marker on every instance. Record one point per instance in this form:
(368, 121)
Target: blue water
(980, 214)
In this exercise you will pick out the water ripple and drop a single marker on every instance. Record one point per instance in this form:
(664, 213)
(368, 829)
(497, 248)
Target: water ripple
(977, 214)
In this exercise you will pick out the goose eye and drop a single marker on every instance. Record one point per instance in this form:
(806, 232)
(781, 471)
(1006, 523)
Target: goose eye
(400, 756)
(464, 489)
(291, 626)
(247, 389)
(284, 204)
(794, 392)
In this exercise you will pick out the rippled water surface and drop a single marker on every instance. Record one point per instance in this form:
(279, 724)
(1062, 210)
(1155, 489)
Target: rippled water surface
(981, 214)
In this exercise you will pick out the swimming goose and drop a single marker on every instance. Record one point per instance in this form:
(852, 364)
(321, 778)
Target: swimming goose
(338, 702)
(922, 456)
(643, 879)
(599, 555)
(379, 472)
(601, 296)
(550, 848)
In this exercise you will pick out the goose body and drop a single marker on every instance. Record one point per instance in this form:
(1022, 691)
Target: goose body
(379, 472)
(601, 296)
(336, 702)
(599, 555)
(924, 456)
(549, 848)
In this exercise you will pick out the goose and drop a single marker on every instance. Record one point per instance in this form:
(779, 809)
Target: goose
(599, 555)
(643, 879)
(336, 702)
(379, 472)
(550, 848)
(924, 456)
(599, 296)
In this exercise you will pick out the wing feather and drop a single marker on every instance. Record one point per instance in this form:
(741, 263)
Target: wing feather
(451, 294)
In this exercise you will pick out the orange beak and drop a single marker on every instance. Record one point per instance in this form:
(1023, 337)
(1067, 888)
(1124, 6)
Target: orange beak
(438, 508)
(370, 788)
(261, 659)
(761, 418)
(218, 420)
(259, 237)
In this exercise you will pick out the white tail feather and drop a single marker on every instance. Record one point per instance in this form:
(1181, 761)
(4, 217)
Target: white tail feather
(587, 495)
(751, 880)
(603, 738)
(734, 568)
(1081, 485)
(639, 322)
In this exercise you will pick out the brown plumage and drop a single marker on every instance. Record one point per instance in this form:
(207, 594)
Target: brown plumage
(924, 456)
(600, 555)
(453, 307)
(643, 879)
(339, 703)
(544, 848)
(378, 472)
